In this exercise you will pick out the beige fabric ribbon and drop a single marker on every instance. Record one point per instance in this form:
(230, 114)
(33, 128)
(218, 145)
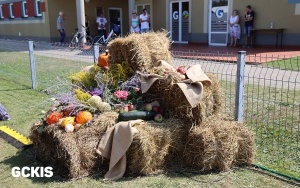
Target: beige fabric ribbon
(192, 87)
(114, 144)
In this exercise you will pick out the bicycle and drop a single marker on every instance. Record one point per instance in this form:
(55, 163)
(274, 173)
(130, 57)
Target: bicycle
(80, 40)
(102, 41)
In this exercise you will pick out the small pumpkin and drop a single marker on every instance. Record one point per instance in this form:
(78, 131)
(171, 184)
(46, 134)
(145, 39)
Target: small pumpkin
(67, 120)
(53, 117)
(83, 117)
(103, 59)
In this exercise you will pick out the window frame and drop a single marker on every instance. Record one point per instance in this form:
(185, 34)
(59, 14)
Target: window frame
(11, 10)
(37, 8)
(1, 13)
(24, 9)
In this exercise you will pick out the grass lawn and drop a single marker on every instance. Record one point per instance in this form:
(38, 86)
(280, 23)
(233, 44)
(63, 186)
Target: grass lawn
(25, 106)
(287, 64)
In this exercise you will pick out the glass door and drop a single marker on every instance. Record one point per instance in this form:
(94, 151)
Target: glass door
(179, 21)
(115, 20)
(218, 18)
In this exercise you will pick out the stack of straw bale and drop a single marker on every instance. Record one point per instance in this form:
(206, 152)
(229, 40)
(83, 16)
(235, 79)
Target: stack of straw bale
(219, 144)
(152, 145)
(140, 50)
(172, 98)
(72, 155)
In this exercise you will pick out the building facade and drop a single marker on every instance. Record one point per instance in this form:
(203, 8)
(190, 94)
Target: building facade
(188, 21)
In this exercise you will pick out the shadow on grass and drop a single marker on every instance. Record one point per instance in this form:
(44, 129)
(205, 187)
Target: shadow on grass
(17, 89)
(25, 158)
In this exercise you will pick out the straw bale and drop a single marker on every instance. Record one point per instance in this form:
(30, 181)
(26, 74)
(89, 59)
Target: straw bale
(217, 145)
(141, 50)
(176, 104)
(152, 145)
(246, 142)
(72, 155)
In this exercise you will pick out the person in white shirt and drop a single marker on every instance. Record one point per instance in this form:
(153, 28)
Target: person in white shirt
(101, 21)
(234, 28)
(145, 21)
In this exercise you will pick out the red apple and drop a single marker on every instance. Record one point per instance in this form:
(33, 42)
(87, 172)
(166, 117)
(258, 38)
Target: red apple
(124, 109)
(155, 108)
(158, 118)
(131, 107)
(181, 70)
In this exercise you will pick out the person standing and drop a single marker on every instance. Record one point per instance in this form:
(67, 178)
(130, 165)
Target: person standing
(60, 23)
(134, 23)
(101, 21)
(249, 19)
(234, 28)
(145, 21)
(87, 26)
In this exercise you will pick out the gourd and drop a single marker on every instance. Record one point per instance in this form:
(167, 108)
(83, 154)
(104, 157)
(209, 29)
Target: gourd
(53, 117)
(104, 107)
(95, 101)
(83, 117)
(136, 114)
(69, 128)
(67, 120)
(103, 59)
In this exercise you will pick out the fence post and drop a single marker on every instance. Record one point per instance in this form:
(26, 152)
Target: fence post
(32, 64)
(96, 52)
(239, 88)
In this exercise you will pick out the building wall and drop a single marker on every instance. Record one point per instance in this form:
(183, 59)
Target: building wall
(31, 27)
(45, 28)
(280, 12)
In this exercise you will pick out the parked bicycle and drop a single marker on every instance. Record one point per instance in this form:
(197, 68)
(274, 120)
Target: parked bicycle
(80, 40)
(102, 41)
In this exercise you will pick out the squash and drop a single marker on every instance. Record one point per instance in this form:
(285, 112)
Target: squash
(103, 59)
(136, 114)
(83, 117)
(67, 120)
(53, 117)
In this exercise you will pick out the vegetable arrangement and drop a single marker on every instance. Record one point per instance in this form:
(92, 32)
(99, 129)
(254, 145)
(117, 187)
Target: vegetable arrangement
(101, 88)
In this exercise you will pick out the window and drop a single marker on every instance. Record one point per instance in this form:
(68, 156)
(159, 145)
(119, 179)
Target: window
(1, 13)
(99, 10)
(11, 12)
(24, 9)
(37, 8)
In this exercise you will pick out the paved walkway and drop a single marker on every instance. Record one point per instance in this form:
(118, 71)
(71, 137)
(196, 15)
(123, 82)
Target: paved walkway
(228, 54)
(214, 63)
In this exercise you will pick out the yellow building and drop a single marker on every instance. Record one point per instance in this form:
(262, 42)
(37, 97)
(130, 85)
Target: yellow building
(188, 21)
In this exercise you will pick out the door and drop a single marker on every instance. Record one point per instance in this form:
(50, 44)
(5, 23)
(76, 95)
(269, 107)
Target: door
(115, 19)
(218, 18)
(179, 21)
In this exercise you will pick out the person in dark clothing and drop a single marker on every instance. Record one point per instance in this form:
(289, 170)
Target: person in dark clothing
(249, 19)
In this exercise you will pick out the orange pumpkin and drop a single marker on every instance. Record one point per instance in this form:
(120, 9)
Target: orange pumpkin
(103, 60)
(83, 117)
(53, 117)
